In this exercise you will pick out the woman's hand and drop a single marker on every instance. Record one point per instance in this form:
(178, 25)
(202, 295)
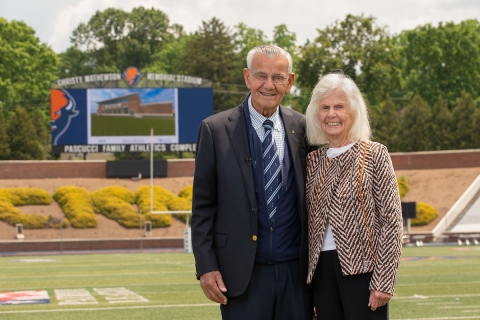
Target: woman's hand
(378, 299)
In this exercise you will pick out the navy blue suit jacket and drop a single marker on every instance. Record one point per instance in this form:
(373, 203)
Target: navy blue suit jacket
(224, 220)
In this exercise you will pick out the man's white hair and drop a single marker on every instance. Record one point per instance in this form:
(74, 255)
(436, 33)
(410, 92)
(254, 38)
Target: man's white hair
(271, 51)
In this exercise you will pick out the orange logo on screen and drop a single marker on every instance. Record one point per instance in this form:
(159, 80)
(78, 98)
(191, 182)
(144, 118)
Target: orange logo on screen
(62, 110)
(132, 75)
(59, 101)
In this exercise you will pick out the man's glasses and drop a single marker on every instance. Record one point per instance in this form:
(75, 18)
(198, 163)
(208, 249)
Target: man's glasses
(261, 77)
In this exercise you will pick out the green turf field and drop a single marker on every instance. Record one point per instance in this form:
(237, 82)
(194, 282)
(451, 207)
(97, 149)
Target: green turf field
(104, 126)
(434, 283)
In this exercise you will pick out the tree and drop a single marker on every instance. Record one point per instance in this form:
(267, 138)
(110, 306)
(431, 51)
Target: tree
(41, 123)
(386, 125)
(247, 38)
(416, 129)
(442, 126)
(23, 137)
(466, 127)
(285, 39)
(75, 62)
(113, 40)
(210, 54)
(169, 60)
(443, 60)
(360, 49)
(4, 145)
(27, 67)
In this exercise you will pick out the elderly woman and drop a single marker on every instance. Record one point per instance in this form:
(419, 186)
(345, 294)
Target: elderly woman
(353, 202)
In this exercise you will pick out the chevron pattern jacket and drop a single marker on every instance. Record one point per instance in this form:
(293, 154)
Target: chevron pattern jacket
(358, 193)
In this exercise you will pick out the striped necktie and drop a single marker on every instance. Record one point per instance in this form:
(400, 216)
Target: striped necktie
(272, 175)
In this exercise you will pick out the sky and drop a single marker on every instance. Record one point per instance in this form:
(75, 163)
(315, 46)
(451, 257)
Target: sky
(54, 20)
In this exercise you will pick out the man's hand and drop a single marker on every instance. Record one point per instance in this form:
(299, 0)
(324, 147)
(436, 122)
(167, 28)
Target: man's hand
(213, 286)
(378, 299)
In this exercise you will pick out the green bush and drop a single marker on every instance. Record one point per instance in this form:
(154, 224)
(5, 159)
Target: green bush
(116, 203)
(425, 214)
(77, 206)
(25, 196)
(403, 186)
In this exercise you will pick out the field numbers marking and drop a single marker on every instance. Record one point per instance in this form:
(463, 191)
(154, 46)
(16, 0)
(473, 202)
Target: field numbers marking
(74, 297)
(119, 295)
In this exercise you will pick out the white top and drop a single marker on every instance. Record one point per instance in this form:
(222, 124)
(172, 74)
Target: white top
(328, 241)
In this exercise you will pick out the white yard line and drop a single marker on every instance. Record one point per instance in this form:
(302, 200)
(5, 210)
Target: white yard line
(438, 296)
(437, 283)
(443, 318)
(118, 308)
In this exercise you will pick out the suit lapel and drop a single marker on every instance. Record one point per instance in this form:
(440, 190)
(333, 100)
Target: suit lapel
(294, 136)
(237, 133)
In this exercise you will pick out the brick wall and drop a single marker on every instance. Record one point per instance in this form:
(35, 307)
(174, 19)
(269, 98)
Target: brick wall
(180, 167)
(52, 169)
(186, 167)
(94, 244)
(436, 159)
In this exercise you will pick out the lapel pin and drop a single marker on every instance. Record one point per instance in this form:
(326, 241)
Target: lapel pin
(293, 131)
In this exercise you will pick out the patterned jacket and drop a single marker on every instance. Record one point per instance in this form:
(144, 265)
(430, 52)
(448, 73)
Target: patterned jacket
(365, 218)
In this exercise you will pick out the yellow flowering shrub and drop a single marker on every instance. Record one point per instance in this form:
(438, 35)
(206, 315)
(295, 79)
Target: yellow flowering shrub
(12, 216)
(116, 203)
(186, 193)
(77, 206)
(403, 186)
(12, 197)
(160, 198)
(25, 196)
(425, 214)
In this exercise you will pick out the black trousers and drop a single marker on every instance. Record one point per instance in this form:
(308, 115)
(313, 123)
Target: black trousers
(339, 297)
(274, 292)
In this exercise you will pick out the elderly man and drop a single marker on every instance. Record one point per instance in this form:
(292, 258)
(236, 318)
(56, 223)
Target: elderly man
(249, 219)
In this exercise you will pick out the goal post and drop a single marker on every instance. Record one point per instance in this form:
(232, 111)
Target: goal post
(187, 240)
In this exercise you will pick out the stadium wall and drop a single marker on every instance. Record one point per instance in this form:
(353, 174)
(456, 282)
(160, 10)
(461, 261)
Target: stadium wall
(87, 245)
(79, 169)
(186, 167)
(436, 159)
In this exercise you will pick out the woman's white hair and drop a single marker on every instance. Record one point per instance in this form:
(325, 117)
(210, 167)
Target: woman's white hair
(270, 51)
(337, 81)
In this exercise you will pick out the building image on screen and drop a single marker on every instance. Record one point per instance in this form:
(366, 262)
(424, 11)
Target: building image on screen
(127, 115)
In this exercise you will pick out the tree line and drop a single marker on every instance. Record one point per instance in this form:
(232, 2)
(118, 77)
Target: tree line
(422, 85)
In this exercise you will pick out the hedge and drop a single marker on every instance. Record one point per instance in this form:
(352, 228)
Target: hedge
(403, 186)
(11, 197)
(425, 214)
(25, 196)
(160, 198)
(186, 193)
(12, 216)
(77, 206)
(116, 203)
